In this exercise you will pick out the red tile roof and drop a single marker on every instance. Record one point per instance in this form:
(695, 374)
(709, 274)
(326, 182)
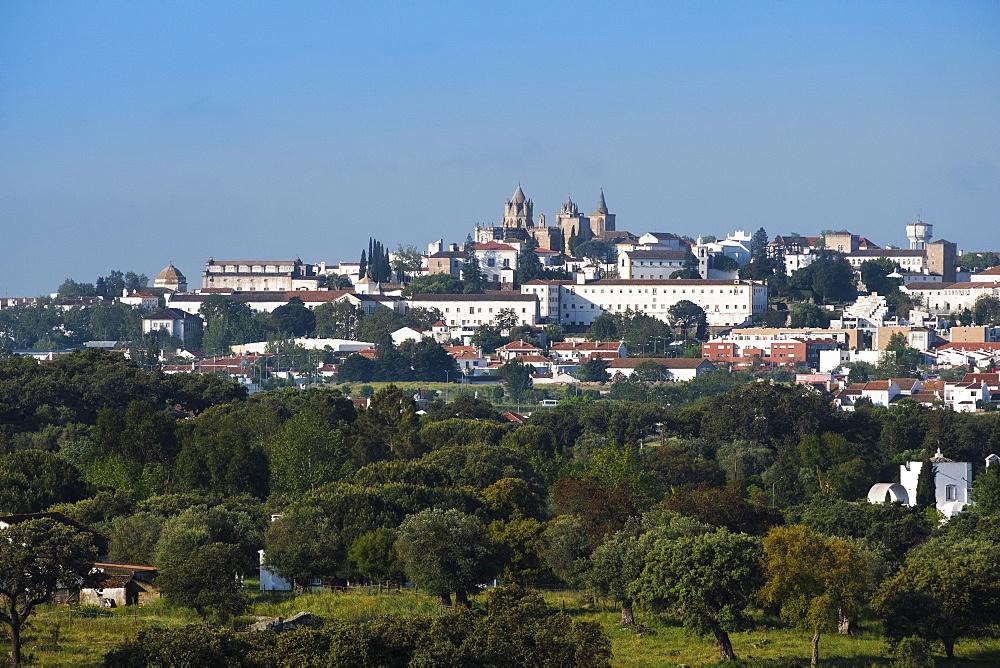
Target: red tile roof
(493, 245)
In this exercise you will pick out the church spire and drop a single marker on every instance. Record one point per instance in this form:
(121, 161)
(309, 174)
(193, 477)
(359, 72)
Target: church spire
(602, 206)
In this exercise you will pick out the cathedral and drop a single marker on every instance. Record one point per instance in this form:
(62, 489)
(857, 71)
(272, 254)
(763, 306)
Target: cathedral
(519, 224)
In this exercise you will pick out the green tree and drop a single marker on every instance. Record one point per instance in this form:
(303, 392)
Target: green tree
(926, 488)
(986, 310)
(36, 558)
(604, 328)
(306, 453)
(471, 274)
(986, 492)
(374, 555)
(875, 276)
(976, 262)
(33, 480)
(356, 369)
(222, 452)
(860, 372)
(817, 581)
(488, 338)
(203, 579)
(337, 320)
(598, 251)
(946, 590)
(566, 549)
(529, 267)
(614, 566)
(710, 580)
(517, 379)
(192, 645)
(406, 261)
(723, 263)
(829, 279)
(808, 315)
(435, 284)
(302, 544)
(227, 323)
(898, 360)
(689, 269)
(689, 318)
(594, 370)
(758, 245)
(388, 428)
(445, 551)
(70, 289)
(649, 372)
(293, 319)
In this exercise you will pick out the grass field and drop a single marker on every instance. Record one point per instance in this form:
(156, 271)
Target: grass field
(55, 638)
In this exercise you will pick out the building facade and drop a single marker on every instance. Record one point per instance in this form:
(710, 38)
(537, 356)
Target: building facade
(260, 275)
(727, 303)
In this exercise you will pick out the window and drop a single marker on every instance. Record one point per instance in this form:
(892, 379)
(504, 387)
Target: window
(951, 493)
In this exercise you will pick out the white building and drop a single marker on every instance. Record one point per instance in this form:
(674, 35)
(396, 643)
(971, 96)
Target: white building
(727, 303)
(675, 368)
(952, 483)
(735, 246)
(260, 275)
(660, 241)
(340, 347)
(497, 261)
(482, 309)
(174, 322)
(142, 300)
(649, 264)
(947, 297)
(991, 275)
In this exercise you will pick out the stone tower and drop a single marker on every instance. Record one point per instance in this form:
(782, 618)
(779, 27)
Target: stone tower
(601, 221)
(517, 211)
(570, 221)
(941, 255)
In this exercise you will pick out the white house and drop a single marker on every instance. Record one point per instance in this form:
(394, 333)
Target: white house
(174, 322)
(497, 261)
(952, 483)
(142, 300)
(659, 240)
(578, 352)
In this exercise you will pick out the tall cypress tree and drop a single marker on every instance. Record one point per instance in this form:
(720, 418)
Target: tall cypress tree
(470, 268)
(926, 491)
(364, 264)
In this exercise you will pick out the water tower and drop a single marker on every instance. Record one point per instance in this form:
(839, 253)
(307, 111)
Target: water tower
(919, 233)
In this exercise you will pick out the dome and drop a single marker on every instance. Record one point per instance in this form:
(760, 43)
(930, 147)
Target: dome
(170, 273)
(518, 195)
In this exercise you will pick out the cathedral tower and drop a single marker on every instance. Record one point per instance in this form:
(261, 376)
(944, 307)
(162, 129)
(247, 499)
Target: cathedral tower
(601, 221)
(517, 211)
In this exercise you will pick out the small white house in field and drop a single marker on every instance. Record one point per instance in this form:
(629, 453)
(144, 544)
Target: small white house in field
(952, 484)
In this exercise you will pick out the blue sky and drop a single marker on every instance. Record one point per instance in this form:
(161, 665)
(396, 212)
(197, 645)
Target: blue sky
(137, 133)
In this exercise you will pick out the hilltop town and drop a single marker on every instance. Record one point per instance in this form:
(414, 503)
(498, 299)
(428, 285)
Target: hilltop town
(580, 299)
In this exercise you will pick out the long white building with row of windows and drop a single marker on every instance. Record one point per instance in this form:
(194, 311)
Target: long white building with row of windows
(727, 303)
